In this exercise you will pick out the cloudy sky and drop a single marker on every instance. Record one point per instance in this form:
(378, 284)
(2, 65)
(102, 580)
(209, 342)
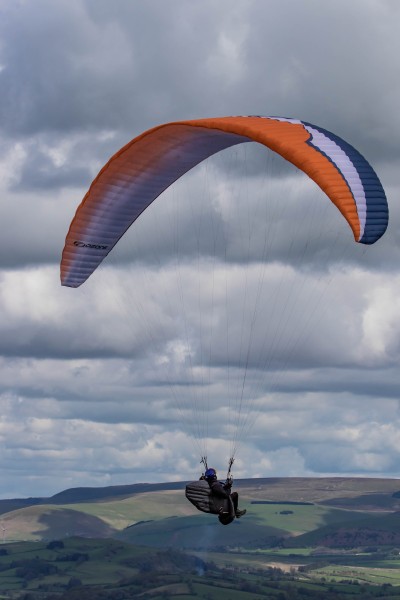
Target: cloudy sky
(237, 314)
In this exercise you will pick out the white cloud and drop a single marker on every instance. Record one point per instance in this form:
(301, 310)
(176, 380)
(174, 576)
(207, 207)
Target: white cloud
(381, 326)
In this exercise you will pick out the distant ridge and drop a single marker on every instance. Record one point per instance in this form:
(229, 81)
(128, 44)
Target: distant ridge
(85, 494)
(91, 494)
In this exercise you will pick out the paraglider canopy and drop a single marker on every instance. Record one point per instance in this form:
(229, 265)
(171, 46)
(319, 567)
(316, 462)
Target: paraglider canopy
(138, 173)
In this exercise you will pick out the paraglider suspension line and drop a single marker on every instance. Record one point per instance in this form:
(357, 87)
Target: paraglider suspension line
(204, 462)
(231, 461)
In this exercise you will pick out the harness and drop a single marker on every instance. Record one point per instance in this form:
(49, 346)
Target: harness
(200, 495)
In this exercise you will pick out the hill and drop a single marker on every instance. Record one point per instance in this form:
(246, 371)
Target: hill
(278, 509)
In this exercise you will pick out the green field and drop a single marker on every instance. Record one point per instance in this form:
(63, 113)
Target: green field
(372, 575)
(109, 569)
(142, 507)
(303, 518)
(70, 562)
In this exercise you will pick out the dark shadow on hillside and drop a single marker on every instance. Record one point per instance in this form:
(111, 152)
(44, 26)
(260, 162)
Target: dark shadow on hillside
(362, 531)
(202, 532)
(366, 502)
(66, 522)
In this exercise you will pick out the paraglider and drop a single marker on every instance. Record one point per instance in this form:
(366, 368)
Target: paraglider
(145, 167)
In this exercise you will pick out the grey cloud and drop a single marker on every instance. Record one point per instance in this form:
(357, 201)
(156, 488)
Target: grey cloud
(107, 67)
(40, 172)
(98, 61)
